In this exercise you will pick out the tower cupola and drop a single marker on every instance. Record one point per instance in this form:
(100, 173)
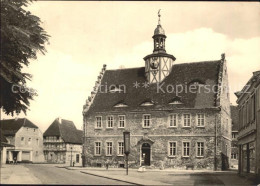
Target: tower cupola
(159, 37)
(158, 64)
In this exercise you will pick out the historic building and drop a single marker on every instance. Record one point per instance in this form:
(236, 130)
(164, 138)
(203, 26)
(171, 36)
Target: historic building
(249, 126)
(178, 115)
(26, 139)
(63, 143)
(234, 146)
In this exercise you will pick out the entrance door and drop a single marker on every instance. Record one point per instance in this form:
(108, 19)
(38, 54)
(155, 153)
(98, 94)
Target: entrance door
(26, 156)
(15, 155)
(146, 154)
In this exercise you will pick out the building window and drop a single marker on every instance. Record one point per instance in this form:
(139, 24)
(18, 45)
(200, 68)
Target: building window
(22, 139)
(146, 120)
(97, 148)
(201, 120)
(37, 141)
(172, 148)
(109, 149)
(234, 135)
(233, 156)
(200, 149)
(110, 121)
(186, 149)
(173, 120)
(98, 122)
(29, 140)
(121, 122)
(120, 149)
(77, 158)
(186, 121)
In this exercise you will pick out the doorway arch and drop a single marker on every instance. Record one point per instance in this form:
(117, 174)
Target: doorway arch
(146, 154)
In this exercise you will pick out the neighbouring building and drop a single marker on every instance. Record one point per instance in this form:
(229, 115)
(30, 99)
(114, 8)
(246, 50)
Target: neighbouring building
(249, 126)
(234, 146)
(63, 143)
(26, 139)
(178, 115)
(4, 144)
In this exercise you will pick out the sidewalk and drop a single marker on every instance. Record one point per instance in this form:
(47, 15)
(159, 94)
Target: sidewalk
(17, 174)
(168, 176)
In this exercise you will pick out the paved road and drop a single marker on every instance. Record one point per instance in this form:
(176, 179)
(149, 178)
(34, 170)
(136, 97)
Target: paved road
(49, 174)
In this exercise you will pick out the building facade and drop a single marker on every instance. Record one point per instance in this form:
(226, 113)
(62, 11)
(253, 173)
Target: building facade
(26, 139)
(63, 143)
(234, 145)
(249, 123)
(171, 126)
(4, 144)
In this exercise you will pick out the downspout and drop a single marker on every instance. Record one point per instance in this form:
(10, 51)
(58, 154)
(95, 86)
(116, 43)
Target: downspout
(215, 155)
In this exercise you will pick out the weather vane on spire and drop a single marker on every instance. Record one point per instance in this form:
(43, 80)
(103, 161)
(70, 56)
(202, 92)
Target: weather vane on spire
(159, 15)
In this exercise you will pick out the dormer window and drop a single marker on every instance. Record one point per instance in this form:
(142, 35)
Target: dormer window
(121, 104)
(196, 82)
(116, 88)
(175, 101)
(147, 103)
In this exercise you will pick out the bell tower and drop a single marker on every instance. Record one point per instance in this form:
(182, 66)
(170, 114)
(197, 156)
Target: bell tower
(158, 64)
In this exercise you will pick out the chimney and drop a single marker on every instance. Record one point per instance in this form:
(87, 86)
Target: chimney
(59, 119)
(223, 56)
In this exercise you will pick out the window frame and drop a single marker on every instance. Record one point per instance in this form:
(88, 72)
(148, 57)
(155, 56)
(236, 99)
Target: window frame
(234, 155)
(186, 147)
(202, 152)
(110, 116)
(169, 148)
(95, 148)
(77, 158)
(144, 119)
(183, 125)
(199, 119)
(174, 119)
(118, 148)
(110, 147)
(120, 121)
(96, 127)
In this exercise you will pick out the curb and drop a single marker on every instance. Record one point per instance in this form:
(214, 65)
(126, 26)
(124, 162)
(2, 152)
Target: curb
(110, 178)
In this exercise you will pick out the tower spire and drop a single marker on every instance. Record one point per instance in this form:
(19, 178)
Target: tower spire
(159, 17)
(158, 64)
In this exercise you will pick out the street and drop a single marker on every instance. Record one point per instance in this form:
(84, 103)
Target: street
(57, 174)
(50, 174)
(54, 175)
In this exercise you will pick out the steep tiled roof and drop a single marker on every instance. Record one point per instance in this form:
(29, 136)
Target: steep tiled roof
(11, 126)
(2, 137)
(181, 74)
(65, 129)
(234, 117)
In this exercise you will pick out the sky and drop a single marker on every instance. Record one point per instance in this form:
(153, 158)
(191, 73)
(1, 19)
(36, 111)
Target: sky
(87, 34)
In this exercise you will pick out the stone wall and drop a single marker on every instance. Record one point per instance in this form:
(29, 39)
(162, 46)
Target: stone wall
(225, 118)
(159, 135)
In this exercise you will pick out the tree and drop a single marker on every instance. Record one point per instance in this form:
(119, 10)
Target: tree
(21, 38)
